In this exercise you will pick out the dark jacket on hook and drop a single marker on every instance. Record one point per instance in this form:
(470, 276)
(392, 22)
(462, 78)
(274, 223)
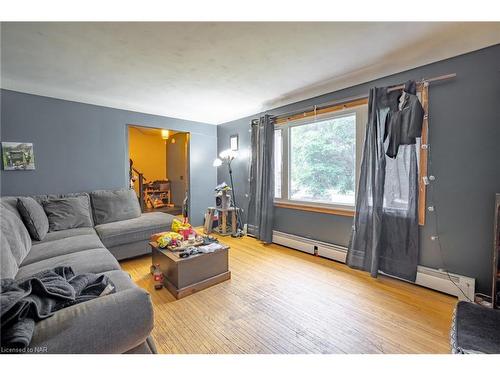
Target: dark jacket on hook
(404, 124)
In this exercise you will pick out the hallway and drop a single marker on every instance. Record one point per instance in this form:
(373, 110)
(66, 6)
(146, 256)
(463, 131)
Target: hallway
(159, 168)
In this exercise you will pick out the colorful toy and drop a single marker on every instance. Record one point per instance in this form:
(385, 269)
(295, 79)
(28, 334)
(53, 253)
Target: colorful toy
(177, 225)
(169, 239)
(187, 233)
(183, 229)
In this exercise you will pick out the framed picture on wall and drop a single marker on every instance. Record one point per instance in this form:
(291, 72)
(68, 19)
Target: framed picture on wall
(17, 156)
(233, 142)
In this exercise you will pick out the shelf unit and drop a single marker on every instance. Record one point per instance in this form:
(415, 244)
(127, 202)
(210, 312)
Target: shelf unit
(495, 289)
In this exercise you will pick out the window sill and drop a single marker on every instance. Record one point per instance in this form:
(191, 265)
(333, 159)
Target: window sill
(315, 208)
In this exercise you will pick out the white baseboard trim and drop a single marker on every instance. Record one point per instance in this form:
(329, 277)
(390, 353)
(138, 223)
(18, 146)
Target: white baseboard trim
(427, 277)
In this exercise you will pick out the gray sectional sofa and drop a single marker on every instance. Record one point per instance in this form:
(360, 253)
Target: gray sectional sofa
(116, 323)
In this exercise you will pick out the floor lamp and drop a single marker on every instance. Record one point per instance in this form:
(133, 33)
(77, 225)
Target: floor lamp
(226, 157)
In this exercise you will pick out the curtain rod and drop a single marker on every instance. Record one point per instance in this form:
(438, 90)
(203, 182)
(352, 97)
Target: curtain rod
(423, 81)
(365, 96)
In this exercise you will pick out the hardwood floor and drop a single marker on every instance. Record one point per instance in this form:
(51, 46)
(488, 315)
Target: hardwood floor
(283, 301)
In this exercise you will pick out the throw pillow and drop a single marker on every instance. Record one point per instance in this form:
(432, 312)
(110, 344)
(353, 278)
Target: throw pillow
(15, 243)
(114, 205)
(67, 213)
(34, 217)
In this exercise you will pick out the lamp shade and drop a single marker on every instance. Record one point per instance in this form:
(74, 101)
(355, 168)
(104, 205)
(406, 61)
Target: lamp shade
(217, 162)
(164, 134)
(228, 154)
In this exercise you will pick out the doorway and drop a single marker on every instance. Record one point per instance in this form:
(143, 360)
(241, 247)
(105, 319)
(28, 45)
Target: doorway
(159, 168)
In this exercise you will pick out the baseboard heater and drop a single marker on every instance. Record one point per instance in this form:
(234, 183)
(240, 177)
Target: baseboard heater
(426, 277)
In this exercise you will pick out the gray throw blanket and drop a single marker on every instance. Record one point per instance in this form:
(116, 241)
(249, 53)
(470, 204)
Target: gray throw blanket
(26, 301)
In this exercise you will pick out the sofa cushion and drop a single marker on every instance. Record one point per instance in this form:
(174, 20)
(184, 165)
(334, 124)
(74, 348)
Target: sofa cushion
(114, 205)
(94, 260)
(34, 217)
(50, 249)
(8, 264)
(10, 203)
(47, 197)
(15, 239)
(115, 323)
(133, 230)
(67, 213)
(52, 236)
(131, 249)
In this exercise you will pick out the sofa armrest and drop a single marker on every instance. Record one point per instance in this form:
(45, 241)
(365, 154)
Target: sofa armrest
(111, 324)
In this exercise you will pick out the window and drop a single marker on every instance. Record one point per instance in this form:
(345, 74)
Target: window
(317, 159)
(322, 161)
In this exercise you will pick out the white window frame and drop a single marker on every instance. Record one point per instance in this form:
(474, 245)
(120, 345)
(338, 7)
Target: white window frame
(361, 120)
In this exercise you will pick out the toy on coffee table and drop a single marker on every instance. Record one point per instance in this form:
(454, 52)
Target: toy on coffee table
(169, 240)
(182, 237)
(183, 228)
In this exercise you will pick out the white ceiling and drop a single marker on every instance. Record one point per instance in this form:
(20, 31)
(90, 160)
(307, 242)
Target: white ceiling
(217, 72)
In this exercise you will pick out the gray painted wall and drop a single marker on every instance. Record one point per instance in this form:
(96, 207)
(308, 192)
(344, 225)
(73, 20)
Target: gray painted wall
(465, 143)
(82, 147)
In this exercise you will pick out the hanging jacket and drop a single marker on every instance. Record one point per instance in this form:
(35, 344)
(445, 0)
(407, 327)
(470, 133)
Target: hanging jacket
(403, 125)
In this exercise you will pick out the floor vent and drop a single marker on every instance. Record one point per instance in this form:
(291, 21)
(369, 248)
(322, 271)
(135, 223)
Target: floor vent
(461, 286)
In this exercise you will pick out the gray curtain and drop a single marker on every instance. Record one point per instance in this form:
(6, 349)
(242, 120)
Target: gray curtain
(385, 231)
(261, 207)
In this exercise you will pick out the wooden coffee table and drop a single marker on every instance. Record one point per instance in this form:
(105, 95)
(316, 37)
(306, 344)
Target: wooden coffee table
(185, 276)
